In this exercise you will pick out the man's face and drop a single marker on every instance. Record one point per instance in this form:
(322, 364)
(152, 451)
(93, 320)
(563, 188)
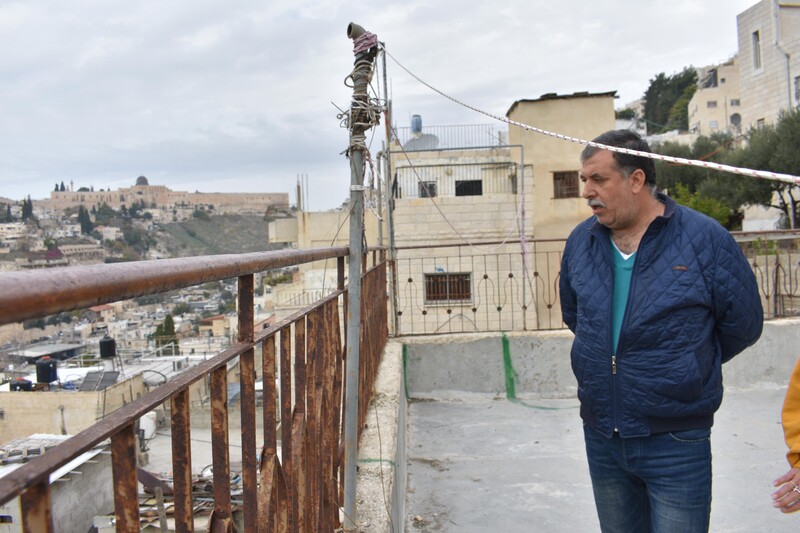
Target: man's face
(608, 192)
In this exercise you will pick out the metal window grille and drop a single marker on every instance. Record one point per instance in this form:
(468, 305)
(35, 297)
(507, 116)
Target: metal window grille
(565, 184)
(447, 287)
(427, 189)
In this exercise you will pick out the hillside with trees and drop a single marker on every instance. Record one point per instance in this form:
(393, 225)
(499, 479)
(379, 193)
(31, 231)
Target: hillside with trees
(666, 101)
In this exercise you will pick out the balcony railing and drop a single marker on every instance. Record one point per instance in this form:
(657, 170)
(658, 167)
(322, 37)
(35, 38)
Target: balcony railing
(458, 136)
(292, 487)
(496, 287)
(486, 287)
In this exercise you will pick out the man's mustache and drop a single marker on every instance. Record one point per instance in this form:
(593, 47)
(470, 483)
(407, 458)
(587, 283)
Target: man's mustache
(594, 202)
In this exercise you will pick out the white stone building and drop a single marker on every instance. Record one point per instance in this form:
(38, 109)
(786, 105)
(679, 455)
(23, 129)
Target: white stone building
(716, 105)
(769, 61)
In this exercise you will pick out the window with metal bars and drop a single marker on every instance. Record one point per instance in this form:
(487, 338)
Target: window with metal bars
(427, 189)
(448, 287)
(565, 184)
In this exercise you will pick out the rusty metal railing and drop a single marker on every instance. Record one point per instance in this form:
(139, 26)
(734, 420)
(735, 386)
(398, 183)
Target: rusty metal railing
(296, 488)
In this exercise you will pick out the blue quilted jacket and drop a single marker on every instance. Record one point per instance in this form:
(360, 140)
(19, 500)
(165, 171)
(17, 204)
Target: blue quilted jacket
(693, 305)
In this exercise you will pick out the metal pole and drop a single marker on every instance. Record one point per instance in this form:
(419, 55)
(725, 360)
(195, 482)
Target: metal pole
(392, 245)
(380, 206)
(361, 119)
(390, 199)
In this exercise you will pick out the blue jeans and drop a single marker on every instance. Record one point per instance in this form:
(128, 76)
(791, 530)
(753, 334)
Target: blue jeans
(655, 484)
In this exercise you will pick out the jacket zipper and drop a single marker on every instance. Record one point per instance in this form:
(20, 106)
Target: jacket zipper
(615, 386)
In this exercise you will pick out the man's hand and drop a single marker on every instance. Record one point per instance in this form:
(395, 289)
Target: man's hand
(787, 497)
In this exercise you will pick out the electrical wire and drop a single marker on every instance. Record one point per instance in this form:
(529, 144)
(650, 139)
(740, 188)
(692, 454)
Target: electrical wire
(762, 174)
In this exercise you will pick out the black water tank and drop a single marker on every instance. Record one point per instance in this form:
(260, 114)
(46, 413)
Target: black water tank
(21, 384)
(108, 348)
(46, 370)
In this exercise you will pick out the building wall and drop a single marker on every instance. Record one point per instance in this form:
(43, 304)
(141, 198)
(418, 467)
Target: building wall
(769, 88)
(77, 497)
(282, 230)
(27, 413)
(447, 219)
(581, 117)
(324, 229)
(711, 108)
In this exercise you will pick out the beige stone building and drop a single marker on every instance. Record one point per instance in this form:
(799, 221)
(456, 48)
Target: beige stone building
(716, 105)
(769, 60)
(478, 228)
(161, 197)
(479, 214)
(557, 205)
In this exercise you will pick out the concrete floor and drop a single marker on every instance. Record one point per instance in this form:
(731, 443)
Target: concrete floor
(485, 464)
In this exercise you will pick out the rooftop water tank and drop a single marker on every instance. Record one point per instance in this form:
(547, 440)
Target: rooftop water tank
(108, 348)
(46, 371)
(416, 124)
(21, 384)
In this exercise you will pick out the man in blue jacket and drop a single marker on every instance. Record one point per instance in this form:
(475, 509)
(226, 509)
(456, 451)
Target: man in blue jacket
(658, 296)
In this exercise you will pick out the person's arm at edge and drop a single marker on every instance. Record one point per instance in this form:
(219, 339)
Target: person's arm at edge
(790, 418)
(739, 315)
(569, 304)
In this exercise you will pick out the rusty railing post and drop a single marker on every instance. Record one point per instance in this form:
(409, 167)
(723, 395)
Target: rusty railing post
(247, 382)
(126, 486)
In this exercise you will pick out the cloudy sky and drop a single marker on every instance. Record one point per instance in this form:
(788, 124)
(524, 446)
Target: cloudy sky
(239, 96)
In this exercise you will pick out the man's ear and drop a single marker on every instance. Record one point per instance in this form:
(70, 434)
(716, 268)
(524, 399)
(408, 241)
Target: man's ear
(637, 179)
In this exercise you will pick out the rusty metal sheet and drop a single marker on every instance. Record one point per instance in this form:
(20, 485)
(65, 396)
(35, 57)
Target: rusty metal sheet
(248, 430)
(300, 365)
(36, 509)
(269, 395)
(286, 414)
(247, 381)
(302, 499)
(182, 462)
(126, 489)
(274, 511)
(219, 445)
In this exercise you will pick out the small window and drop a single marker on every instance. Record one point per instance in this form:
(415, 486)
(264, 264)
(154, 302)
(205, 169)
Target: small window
(760, 123)
(446, 287)
(565, 184)
(427, 189)
(713, 124)
(756, 50)
(722, 80)
(711, 104)
(797, 89)
(469, 188)
(735, 102)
